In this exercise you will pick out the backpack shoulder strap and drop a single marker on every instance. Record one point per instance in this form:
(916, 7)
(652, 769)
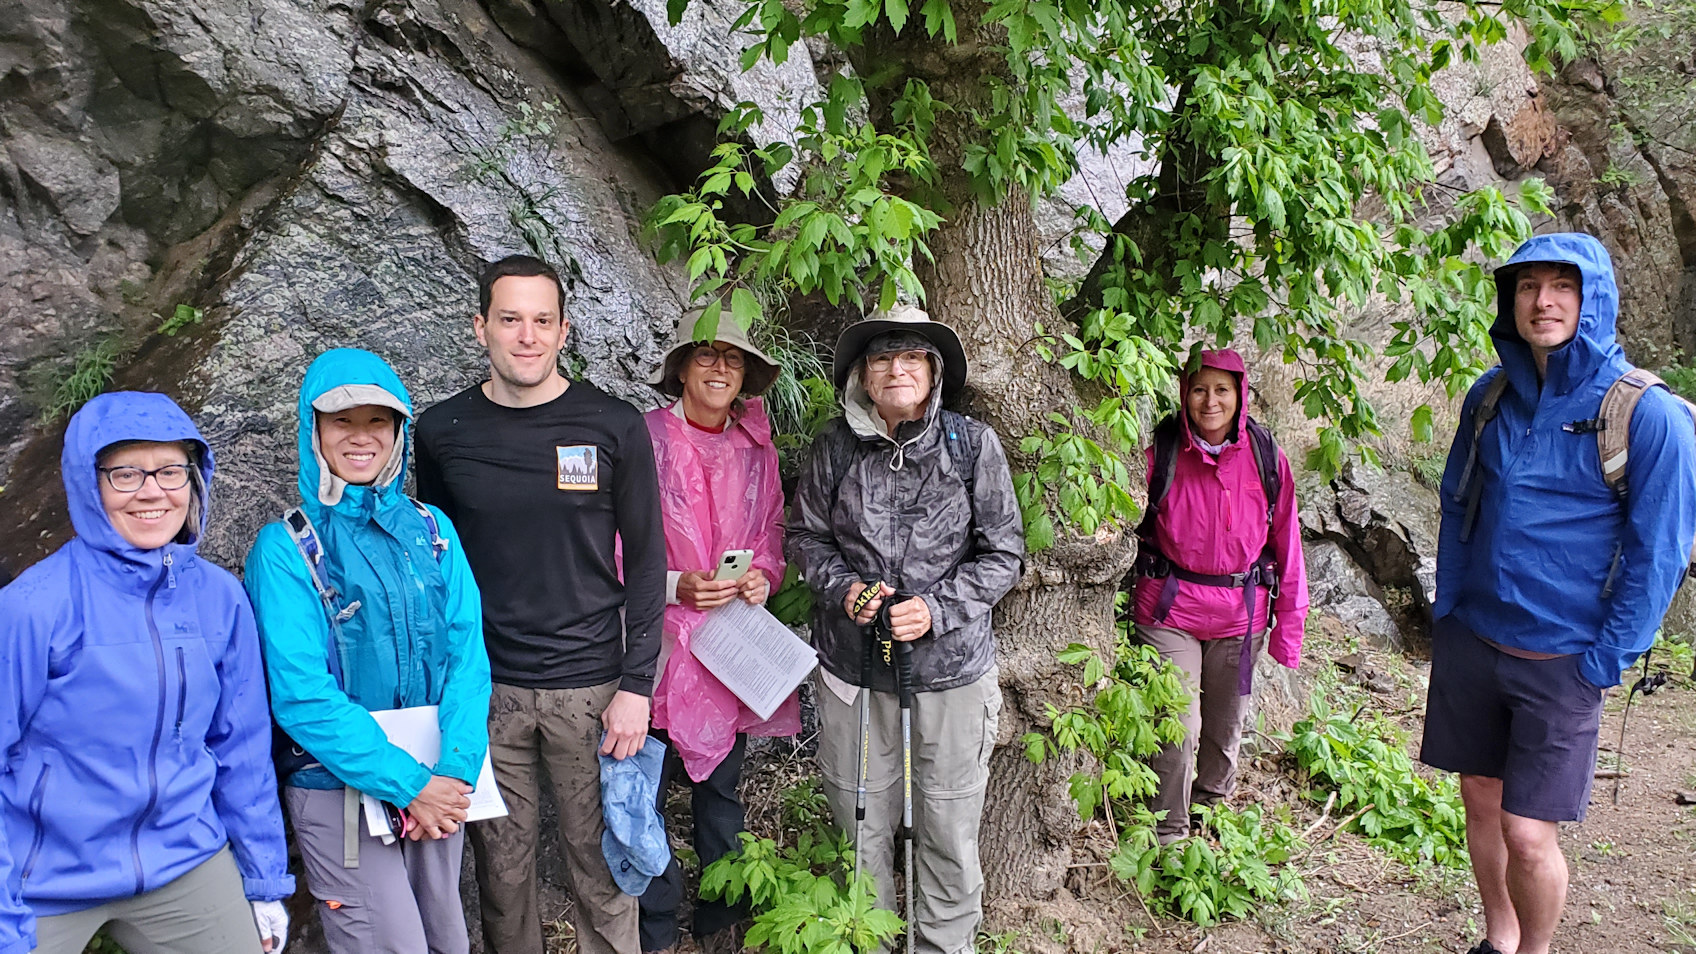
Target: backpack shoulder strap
(438, 543)
(961, 433)
(836, 442)
(1465, 491)
(1613, 436)
(1265, 448)
(1166, 435)
(311, 550)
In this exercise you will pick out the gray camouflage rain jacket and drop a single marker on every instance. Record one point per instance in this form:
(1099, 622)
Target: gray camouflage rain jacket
(900, 512)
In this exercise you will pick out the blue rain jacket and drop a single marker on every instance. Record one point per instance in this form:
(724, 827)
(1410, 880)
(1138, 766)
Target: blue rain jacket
(1532, 574)
(416, 638)
(132, 705)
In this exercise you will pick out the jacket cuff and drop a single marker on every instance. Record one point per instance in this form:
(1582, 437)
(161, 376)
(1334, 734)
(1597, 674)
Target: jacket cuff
(458, 765)
(641, 685)
(266, 889)
(938, 622)
(1601, 667)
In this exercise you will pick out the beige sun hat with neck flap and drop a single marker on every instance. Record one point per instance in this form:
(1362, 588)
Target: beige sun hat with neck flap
(758, 372)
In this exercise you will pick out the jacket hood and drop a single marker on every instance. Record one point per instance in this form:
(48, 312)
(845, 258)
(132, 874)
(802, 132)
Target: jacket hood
(1593, 344)
(339, 379)
(1224, 359)
(110, 419)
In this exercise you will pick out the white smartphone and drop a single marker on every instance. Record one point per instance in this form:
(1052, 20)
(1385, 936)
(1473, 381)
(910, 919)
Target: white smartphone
(733, 564)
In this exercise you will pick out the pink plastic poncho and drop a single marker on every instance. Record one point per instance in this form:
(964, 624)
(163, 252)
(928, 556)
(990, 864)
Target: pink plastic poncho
(1214, 521)
(718, 492)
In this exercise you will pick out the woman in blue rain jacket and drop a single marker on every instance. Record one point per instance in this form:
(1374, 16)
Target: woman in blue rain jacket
(137, 791)
(411, 635)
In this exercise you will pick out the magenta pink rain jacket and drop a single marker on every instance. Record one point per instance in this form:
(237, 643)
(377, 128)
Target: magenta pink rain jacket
(718, 492)
(1213, 521)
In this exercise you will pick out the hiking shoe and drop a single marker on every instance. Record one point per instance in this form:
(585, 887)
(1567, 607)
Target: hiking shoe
(723, 941)
(1485, 947)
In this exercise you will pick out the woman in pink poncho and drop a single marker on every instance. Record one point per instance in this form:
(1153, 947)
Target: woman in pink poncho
(719, 491)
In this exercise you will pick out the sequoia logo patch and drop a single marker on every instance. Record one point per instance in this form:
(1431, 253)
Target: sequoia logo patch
(579, 467)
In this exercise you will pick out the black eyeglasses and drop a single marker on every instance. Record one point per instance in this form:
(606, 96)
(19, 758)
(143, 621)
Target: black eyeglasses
(128, 480)
(707, 357)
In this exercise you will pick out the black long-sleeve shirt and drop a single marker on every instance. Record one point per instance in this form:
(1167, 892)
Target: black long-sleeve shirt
(540, 496)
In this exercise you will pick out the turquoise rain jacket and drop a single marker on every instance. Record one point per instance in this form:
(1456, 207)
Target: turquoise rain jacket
(416, 638)
(132, 707)
(1548, 529)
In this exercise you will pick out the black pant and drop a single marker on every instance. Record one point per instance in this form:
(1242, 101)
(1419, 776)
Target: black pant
(718, 820)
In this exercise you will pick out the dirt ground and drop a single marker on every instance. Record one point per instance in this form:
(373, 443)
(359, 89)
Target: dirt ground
(1633, 866)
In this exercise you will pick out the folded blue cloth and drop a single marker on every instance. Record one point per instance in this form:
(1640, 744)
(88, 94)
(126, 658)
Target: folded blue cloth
(634, 842)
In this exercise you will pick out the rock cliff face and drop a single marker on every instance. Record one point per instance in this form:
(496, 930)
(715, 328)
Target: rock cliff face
(313, 173)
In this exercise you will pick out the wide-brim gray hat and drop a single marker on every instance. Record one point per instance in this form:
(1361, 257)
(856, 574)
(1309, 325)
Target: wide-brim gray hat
(757, 373)
(851, 345)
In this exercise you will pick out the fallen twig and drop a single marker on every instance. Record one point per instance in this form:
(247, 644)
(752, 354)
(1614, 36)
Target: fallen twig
(1323, 815)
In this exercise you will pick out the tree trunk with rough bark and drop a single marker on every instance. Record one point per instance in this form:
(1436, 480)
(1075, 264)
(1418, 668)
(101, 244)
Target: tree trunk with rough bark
(986, 282)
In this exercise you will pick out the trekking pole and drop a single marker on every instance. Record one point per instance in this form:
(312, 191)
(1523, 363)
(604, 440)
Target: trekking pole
(904, 691)
(1647, 685)
(866, 596)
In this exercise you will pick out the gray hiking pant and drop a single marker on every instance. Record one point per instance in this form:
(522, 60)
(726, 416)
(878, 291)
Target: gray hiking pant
(557, 731)
(202, 912)
(402, 899)
(953, 736)
(1202, 770)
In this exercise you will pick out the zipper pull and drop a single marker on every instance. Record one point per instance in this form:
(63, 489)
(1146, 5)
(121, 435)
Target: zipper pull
(170, 573)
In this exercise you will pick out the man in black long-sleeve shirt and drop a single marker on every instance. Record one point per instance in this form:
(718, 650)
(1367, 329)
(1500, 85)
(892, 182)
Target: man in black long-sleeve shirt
(541, 476)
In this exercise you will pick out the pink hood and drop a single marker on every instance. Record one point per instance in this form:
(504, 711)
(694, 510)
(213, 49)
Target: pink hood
(1213, 521)
(718, 492)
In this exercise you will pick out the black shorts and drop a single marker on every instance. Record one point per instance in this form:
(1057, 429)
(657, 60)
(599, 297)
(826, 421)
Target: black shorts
(1530, 722)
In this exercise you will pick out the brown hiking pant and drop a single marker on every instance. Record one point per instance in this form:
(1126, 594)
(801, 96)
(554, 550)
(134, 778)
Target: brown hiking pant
(559, 732)
(1202, 770)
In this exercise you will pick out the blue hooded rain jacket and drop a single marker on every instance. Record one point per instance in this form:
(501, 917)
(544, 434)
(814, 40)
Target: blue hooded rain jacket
(1532, 573)
(132, 705)
(416, 638)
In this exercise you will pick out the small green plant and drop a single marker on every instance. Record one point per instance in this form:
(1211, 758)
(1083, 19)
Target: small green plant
(1363, 760)
(1682, 379)
(102, 943)
(803, 896)
(1617, 175)
(1229, 871)
(90, 374)
(1224, 873)
(528, 124)
(1427, 466)
(183, 317)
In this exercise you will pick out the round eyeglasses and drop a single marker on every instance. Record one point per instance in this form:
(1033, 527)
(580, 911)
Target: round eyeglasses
(128, 480)
(908, 360)
(707, 357)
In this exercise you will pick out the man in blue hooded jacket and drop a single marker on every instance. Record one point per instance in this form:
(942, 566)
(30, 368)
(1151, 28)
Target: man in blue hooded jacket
(1549, 584)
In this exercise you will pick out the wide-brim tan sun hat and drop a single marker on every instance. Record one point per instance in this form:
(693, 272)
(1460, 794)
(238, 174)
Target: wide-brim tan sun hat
(851, 345)
(758, 371)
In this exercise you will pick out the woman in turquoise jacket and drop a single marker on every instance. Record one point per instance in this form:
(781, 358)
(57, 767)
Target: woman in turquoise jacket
(407, 628)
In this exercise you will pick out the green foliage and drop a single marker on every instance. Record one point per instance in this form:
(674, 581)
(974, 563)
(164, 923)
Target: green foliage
(792, 601)
(1230, 870)
(1619, 176)
(526, 125)
(1224, 873)
(844, 233)
(102, 943)
(802, 895)
(90, 373)
(1682, 379)
(1291, 187)
(1363, 759)
(184, 316)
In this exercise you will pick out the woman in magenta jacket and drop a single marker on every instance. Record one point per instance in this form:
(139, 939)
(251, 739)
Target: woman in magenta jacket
(1217, 568)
